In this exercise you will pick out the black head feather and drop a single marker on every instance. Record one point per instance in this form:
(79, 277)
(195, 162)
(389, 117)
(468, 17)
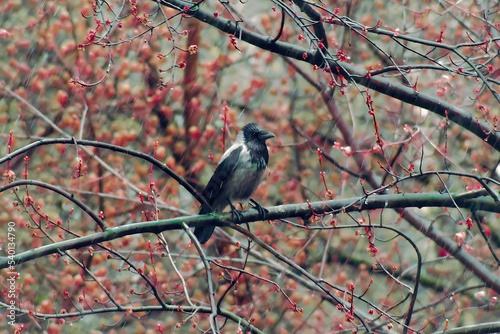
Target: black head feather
(255, 140)
(253, 132)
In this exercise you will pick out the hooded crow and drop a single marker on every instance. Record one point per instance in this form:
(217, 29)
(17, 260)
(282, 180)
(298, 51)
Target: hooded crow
(237, 176)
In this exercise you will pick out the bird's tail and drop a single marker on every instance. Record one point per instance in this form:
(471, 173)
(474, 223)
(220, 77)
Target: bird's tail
(203, 233)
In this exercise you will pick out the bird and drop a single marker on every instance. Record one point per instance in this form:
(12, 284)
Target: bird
(237, 176)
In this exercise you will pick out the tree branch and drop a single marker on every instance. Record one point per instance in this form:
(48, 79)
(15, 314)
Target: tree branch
(351, 72)
(276, 212)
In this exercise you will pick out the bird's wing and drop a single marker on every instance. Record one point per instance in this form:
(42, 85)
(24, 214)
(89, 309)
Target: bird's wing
(214, 188)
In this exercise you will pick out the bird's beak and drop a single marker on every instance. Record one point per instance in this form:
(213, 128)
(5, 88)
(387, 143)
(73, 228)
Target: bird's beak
(263, 135)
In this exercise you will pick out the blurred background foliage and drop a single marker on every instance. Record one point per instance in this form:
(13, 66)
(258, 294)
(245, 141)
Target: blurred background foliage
(145, 83)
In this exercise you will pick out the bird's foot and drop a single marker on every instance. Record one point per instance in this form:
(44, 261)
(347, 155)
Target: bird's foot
(262, 211)
(236, 213)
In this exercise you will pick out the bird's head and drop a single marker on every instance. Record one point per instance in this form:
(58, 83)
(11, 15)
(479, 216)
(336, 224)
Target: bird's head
(252, 132)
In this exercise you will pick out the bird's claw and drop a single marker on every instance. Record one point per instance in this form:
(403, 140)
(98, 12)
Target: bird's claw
(237, 215)
(262, 211)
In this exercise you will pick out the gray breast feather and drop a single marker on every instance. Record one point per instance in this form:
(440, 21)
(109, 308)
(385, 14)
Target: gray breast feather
(245, 178)
(244, 183)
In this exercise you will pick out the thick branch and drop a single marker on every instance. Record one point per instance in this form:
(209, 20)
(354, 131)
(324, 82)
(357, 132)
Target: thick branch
(276, 212)
(143, 156)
